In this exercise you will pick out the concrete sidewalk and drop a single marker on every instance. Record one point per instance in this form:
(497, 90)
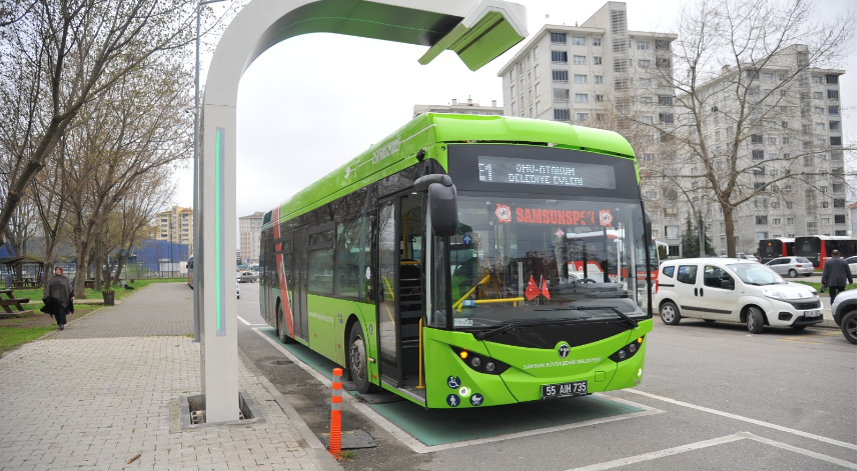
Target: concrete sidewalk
(98, 393)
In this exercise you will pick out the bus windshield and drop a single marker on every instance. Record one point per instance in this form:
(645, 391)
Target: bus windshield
(552, 260)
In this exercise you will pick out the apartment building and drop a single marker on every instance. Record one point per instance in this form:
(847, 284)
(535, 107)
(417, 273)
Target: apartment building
(794, 130)
(580, 73)
(601, 74)
(176, 225)
(250, 233)
(464, 107)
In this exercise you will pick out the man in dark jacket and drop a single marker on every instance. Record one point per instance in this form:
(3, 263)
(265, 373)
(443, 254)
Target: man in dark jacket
(835, 273)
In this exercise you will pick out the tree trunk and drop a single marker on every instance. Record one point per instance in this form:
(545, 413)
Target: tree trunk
(729, 218)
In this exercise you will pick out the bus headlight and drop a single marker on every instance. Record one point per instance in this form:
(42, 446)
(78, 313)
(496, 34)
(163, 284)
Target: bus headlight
(627, 351)
(480, 363)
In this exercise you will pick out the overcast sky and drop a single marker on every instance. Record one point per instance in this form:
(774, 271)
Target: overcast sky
(312, 103)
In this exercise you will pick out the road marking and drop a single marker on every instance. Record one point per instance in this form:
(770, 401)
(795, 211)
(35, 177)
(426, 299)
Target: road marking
(799, 340)
(707, 443)
(747, 419)
(420, 447)
(247, 323)
(803, 337)
(661, 454)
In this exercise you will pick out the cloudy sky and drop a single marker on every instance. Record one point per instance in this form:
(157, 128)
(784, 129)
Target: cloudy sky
(313, 102)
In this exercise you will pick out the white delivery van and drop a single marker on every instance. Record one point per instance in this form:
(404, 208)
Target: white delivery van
(735, 290)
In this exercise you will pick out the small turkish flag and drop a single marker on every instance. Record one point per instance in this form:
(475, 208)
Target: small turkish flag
(545, 289)
(532, 289)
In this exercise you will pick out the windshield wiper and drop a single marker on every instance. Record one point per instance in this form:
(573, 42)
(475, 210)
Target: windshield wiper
(621, 314)
(528, 323)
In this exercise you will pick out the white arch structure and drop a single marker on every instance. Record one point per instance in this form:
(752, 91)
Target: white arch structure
(476, 30)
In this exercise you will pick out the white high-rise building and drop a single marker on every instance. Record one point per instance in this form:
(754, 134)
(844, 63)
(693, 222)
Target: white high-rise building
(794, 127)
(250, 233)
(575, 73)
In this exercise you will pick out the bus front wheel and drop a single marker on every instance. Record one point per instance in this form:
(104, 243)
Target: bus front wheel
(358, 365)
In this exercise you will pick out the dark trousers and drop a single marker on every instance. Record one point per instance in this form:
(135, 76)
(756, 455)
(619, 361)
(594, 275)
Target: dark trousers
(60, 314)
(834, 290)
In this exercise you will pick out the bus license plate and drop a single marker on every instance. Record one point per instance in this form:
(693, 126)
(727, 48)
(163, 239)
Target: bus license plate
(576, 388)
(812, 314)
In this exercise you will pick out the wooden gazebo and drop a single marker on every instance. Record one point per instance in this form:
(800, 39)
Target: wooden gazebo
(31, 278)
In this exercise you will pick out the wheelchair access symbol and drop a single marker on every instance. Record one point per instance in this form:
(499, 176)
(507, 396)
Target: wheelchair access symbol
(453, 382)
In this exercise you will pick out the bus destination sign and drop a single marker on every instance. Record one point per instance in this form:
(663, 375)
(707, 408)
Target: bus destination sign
(545, 172)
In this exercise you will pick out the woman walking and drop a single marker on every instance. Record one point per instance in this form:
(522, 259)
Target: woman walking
(58, 297)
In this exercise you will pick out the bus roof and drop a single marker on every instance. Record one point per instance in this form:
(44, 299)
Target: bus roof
(398, 150)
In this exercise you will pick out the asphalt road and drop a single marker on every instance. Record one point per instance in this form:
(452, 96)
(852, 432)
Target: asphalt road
(717, 398)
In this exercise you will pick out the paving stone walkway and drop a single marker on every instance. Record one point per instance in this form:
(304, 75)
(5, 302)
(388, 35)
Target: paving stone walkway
(99, 392)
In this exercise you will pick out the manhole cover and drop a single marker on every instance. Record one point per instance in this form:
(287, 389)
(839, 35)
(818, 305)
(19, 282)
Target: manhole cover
(278, 362)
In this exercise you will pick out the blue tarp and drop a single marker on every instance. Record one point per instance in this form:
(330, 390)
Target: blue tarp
(151, 253)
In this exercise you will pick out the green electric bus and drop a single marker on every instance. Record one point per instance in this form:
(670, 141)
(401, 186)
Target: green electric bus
(469, 261)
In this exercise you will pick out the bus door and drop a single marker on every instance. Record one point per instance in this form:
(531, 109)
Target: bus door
(299, 282)
(400, 308)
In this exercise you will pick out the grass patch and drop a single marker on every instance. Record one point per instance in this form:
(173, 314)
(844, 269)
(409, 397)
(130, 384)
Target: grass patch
(11, 337)
(35, 295)
(817, 286)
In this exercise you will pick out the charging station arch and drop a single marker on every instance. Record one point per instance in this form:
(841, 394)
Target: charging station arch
(478, 31)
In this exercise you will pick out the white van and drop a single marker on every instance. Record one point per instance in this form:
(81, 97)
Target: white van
(736, 290)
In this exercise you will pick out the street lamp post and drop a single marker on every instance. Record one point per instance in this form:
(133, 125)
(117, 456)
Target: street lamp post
(196, 211)
(697, 215)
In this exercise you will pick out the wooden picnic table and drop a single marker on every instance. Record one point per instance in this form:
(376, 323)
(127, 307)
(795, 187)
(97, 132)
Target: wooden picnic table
(11, 300)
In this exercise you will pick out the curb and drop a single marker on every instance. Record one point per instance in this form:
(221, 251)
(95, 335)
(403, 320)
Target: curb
(314, 448)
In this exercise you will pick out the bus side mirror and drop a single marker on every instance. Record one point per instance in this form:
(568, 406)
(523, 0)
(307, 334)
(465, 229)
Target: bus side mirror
(442, 201)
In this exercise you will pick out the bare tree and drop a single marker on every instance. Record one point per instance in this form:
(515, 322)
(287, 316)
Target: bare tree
(132, 220)
(49, 193)
(124, 136)
(742, 69)
(60, 55)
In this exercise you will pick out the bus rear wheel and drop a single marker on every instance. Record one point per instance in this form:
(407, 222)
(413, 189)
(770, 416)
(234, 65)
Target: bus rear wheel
(282, 333)
(358, 364)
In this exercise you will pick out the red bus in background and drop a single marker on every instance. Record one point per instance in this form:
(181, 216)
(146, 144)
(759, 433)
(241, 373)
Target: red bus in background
(770, 249)
(819, 248)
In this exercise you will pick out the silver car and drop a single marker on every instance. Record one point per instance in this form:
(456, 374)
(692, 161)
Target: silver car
(791, 266)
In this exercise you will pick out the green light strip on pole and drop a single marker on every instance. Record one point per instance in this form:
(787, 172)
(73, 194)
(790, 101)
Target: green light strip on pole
(218, 234)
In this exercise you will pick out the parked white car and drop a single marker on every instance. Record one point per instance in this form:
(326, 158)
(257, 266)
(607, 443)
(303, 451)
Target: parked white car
(844, 311)
(733, 290)
(852, 264)
(746, 256)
